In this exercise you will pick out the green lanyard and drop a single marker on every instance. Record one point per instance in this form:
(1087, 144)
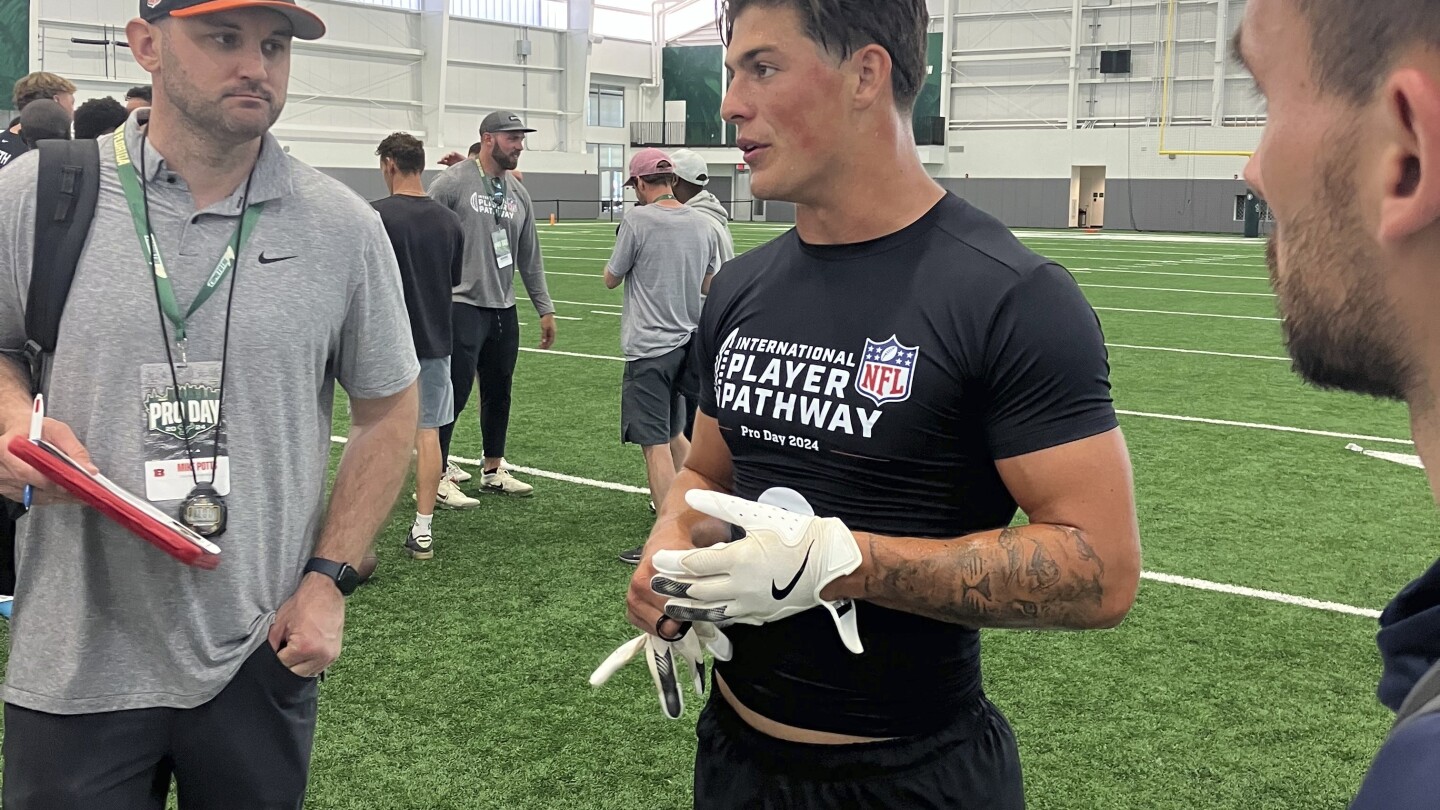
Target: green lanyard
(135, 196)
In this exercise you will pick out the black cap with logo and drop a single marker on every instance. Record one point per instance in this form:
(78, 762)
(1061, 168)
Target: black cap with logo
(503, 121)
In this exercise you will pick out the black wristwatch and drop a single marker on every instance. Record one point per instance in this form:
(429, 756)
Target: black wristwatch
(347, 579)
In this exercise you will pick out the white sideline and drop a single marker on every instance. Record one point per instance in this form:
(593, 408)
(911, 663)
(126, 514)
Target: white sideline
(1171, 579)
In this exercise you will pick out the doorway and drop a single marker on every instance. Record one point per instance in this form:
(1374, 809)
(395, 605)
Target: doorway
(1087, 196)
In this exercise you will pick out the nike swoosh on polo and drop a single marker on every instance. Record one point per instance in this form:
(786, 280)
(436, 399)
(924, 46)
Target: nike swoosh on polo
(779, 592)
(272, 259)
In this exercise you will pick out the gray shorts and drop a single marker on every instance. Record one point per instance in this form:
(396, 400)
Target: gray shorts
(437, 395)
(652, 410)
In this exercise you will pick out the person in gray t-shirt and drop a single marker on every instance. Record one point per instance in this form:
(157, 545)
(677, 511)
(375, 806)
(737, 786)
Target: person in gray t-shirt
(665, 255)
(499, 221)
(127, 668)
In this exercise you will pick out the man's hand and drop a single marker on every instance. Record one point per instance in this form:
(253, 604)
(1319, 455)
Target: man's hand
(308, 627)
(643, 607)
(15, 474)
(777, 570)
(661, 657)
(547, 331)
(451, 159)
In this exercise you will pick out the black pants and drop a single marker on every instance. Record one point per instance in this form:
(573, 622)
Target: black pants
(246, 749)
(487, 343)
(8, 530)
(973, 764)
(690, 384)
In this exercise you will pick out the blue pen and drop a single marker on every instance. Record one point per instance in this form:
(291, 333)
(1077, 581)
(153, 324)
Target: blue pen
(37, 421)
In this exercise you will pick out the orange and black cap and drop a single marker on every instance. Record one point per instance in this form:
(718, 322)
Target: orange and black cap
(306, 24)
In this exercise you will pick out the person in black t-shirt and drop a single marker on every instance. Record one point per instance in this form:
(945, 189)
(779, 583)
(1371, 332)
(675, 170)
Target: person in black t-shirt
(884, 385)
(11, 144)
(430, 247)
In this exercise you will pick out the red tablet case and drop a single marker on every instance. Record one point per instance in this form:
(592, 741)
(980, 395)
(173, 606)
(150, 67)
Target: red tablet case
(139, 516)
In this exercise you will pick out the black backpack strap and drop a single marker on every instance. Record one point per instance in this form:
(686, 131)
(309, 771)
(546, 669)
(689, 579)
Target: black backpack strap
(67, 189)
(1423, 699)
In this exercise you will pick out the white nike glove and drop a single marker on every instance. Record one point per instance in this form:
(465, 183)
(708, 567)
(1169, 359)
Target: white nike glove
(661, 656)
(777, 570)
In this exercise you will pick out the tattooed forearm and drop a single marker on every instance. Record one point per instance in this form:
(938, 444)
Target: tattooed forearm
(1036, 576)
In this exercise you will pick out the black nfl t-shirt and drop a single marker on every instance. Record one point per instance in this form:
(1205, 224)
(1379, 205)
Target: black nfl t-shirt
(882, 380)
(11, 147)
(430, 248)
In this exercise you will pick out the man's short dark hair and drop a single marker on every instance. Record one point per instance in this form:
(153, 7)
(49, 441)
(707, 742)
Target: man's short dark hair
(98, 116)
(842, 27)
(663, 179)
(1354, 44)
(43, 119)
(140, 91)
(475, 148)
(406, 150)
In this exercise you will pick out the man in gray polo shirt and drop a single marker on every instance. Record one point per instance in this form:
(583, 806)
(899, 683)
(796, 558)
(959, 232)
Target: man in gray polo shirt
(127, 668)
(499, 222)
(665, 255)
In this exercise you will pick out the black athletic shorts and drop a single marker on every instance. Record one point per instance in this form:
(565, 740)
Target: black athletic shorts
(972, 764)
(652, 410)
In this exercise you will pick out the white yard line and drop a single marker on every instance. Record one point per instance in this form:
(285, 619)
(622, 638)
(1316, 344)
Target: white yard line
(1198, 351)
(1132, 271)
(1253, 593)
(1189, 314)
(1262, 426)
(1175, 290)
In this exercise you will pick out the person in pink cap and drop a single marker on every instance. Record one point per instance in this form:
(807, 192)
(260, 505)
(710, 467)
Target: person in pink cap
(665, 254)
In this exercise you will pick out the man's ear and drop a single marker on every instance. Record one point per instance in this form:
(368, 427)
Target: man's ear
(872, 67)
(144, 39)
(1411, 153)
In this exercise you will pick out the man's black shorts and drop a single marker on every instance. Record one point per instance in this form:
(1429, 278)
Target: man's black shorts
(973, 764)
(652, 411)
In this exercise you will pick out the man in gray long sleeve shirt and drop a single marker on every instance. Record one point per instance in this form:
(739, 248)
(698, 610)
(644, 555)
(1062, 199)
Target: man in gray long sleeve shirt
(499, 222)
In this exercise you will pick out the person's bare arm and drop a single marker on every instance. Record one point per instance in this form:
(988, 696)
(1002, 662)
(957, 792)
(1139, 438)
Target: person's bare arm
(372, 469)
(1076, 565)
(308, 627)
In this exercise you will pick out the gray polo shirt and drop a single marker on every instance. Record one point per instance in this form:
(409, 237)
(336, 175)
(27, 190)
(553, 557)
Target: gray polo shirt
(103, 621)
(663, 254)
(463, 189)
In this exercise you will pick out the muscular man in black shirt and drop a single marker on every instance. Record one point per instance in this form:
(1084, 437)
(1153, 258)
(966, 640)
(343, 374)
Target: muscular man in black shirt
(902, 368)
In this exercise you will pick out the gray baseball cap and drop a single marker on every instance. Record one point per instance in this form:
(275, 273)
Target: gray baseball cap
(503, 121)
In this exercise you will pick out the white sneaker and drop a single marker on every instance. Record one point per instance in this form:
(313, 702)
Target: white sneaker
(455, 473)
(501, 482)
(420, 546)
(449, 496)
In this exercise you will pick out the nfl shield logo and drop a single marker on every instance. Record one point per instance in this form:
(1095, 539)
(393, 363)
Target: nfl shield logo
(887, 370)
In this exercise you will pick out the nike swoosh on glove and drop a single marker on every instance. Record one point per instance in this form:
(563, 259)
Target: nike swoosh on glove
(777, 570)
(664, 657)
